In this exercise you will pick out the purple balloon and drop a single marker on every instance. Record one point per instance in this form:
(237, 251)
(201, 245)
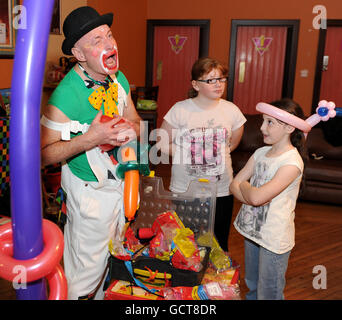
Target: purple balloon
(25, 164)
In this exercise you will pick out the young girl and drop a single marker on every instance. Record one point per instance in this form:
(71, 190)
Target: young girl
(202, 131)
(268, 186)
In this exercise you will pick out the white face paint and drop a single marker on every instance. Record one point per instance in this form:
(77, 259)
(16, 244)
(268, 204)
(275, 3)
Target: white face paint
(109, 60)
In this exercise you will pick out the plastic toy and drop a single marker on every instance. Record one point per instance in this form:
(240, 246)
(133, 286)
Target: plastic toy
(131, 176)
(218, 258)
(123, 290)
(157, 222)
(195, 208)
(128, 170)
(324, 112)
(106, 147)
(173, 242)
(208, 291)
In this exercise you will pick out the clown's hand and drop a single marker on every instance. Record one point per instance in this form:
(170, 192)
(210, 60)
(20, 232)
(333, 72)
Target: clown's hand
(104, 132)
(126, 131)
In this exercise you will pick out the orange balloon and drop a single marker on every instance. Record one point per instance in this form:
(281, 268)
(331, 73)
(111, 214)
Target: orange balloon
(131, 191)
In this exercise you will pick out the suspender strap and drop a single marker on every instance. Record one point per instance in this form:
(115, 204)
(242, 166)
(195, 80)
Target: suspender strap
(65, 128)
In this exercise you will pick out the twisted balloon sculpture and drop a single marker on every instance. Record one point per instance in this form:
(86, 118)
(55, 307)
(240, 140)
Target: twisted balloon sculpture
(28, 241)
(325, 111)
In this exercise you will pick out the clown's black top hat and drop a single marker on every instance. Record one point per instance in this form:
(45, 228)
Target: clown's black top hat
(79, 22)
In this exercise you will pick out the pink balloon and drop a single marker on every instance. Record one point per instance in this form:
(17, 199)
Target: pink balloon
(297, 122)
(331, 113)
(313, 120)
(57, 284)
(284, 116)
(322, 103)
(37, 267)
(331, 105)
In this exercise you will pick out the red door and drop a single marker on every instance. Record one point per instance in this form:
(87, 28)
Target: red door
(259, 65)
(175, 50)
(331, 84)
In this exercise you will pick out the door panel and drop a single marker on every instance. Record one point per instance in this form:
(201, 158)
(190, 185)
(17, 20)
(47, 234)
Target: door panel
(331, 84)
(176, 48)
(259, 65)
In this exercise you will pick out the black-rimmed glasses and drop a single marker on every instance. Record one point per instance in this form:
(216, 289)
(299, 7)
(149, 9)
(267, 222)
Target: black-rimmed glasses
(214, 80)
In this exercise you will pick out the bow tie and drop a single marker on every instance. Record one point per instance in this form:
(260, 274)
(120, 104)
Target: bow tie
(108, 95)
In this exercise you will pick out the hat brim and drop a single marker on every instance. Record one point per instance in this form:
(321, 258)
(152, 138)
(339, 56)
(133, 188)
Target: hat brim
(68, 43)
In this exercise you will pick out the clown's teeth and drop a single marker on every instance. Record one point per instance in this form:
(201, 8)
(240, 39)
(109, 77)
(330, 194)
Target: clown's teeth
(109, 61)
(111, 58)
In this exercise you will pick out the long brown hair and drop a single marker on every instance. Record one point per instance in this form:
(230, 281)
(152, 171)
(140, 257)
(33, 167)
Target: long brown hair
(203, 66)
(297, 137)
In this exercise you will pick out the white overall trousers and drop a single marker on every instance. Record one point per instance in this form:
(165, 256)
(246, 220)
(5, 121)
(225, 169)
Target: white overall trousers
(95, 215)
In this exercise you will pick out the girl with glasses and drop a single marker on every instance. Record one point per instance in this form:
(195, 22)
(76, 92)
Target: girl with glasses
(202, 132)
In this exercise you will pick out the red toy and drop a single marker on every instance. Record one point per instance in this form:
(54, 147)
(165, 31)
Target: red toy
(172, 241)
(131, 189)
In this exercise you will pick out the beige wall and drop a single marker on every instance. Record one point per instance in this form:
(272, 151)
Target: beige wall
(54, 51)
(129, 30)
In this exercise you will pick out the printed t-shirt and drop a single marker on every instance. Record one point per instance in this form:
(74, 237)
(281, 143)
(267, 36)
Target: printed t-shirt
(202, 139)
(272, 225)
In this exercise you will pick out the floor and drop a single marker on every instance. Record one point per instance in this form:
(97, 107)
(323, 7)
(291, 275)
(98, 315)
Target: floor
(315, 265)
(317, 253)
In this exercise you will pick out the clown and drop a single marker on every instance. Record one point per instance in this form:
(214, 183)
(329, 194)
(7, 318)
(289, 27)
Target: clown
(71, 133)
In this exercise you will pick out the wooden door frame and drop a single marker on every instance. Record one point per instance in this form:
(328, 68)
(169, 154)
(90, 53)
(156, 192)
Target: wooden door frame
(290, 55)
(319, 61)
(151, 24)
